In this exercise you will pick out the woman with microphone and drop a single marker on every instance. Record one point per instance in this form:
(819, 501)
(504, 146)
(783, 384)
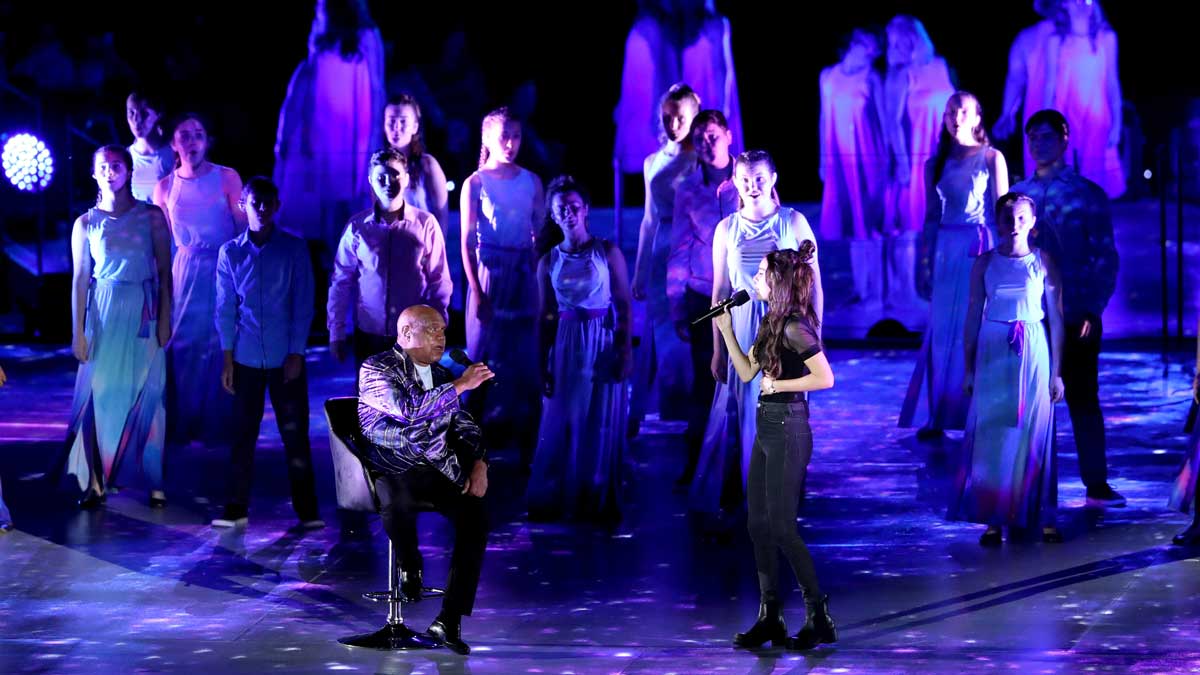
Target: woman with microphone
(788, 357)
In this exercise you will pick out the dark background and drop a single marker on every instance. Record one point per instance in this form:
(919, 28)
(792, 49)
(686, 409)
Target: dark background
(232, 60)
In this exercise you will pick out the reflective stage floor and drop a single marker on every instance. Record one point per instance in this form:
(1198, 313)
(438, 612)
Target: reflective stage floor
(128, 589)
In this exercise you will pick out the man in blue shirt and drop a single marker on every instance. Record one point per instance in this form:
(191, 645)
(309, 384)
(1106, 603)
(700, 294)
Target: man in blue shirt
(264, 310)
(1074, 225)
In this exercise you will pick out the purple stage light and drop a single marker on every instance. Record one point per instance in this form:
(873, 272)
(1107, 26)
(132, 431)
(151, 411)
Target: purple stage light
(28, 164)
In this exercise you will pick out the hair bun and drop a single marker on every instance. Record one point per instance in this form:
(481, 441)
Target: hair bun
(807, 249)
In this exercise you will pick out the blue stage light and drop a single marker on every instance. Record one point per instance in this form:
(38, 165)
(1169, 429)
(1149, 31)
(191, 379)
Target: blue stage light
(28, 164)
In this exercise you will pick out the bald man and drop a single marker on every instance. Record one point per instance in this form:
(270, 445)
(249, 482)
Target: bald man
(429, 450)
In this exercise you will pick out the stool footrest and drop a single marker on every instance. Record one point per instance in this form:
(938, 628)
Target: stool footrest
(385, 596)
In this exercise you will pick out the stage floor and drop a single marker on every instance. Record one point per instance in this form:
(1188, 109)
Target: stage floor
(127, 589)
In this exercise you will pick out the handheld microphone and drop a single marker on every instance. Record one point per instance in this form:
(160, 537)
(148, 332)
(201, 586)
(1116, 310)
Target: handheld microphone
(460, 357)
(736, 300)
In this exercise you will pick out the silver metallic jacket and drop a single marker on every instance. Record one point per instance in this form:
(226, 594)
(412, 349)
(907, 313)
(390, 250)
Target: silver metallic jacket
(407, 425)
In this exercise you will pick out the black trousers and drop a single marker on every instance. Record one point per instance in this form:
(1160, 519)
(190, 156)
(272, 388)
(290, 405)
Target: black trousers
(782, 448)
(290, 401)
(701, 345)
(1080, 373)
(367, 345)
(424, 488)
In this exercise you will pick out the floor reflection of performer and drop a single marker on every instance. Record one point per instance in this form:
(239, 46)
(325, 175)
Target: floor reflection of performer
(430, 451)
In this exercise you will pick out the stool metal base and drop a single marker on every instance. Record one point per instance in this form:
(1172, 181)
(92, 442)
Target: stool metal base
(391, 637)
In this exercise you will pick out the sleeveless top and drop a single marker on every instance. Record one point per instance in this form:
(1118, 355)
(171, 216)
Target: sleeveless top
(200, 214)
(669, 166)
(416, 193)
(1015, 287)
(506, 207)
(748, 242)
(122, 247)
(148, 169)
(581, 278)
(963, 189)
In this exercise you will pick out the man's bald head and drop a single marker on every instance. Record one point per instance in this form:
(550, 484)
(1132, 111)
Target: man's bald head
(421, 332)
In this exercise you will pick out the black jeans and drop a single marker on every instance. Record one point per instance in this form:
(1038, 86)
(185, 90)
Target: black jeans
(701, 344)
(424, 488)
(782, 447)
(1080, 373)
(290, 401)
(367, 345)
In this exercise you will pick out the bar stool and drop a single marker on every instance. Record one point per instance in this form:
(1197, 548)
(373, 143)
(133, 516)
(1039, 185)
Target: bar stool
(355, 483)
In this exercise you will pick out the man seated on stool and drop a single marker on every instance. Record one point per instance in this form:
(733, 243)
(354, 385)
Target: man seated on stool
(428, 450)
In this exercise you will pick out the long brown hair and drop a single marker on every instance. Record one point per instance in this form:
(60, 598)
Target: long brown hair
(946, 141)
(790, 278)
(415, 151)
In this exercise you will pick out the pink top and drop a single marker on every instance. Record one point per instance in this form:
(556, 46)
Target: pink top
(392, 267)
(698, 209)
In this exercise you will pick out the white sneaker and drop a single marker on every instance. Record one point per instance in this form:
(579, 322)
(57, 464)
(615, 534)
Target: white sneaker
(233, 516)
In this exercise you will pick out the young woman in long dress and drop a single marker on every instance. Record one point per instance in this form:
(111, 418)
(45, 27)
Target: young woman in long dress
(121, 309)
(586, 353)
(502, 209)
(1008, 475)
(661, 355)
(963, 182)
(200, 200)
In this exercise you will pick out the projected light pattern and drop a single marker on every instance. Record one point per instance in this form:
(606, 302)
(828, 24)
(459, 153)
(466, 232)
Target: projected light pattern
(28, 164)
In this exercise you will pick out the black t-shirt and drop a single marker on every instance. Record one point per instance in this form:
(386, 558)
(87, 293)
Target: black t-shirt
(800, 343)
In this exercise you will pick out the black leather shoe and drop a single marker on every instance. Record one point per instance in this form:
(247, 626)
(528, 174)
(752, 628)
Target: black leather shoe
(158, 501)
(818, 626)
(1189, 537)
(91, 501)
(991, 539)
(449, 635)
(930, 434)
(411, 586)
(768, 628)
(1052, 536)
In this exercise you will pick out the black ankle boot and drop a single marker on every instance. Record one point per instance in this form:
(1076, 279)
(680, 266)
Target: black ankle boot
(768, 628)
(818, 625)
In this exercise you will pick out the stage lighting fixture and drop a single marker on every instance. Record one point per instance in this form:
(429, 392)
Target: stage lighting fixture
(28, 164)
